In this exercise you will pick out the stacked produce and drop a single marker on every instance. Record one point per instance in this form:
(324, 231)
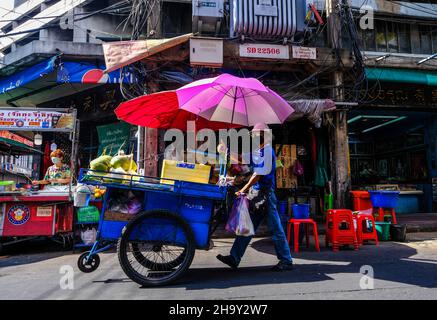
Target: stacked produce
(113, 169)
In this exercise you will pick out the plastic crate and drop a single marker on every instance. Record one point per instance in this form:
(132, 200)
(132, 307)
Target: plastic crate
(182, 171)
(301, 211)
(384, 199)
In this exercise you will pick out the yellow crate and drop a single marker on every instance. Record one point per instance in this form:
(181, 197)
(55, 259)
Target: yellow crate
(185, 172)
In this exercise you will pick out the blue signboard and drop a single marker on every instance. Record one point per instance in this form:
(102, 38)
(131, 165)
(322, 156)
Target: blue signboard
(84, 72)
(30, 74)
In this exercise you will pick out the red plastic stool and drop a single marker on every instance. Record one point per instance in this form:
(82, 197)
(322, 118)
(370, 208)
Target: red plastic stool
(340, 229)
(296, 224)
(382, 211)
(362, 231)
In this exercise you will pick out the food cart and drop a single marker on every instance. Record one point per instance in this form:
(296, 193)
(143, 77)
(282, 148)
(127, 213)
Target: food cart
(29, 213)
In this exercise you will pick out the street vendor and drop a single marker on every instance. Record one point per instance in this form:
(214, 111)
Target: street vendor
(58, 174)
(260, 191)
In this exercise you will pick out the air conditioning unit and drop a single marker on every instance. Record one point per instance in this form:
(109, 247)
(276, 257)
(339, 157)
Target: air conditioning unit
(207, 16)
(263, 19)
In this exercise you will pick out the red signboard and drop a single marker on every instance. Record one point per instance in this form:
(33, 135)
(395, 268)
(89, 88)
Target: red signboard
(12, 136)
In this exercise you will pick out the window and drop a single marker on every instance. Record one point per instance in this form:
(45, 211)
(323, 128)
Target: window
(392, 37)
(425, 39)
(404, 38)
(381, 40)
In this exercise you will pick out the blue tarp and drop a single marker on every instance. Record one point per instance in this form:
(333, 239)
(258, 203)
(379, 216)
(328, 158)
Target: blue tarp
(30, 74)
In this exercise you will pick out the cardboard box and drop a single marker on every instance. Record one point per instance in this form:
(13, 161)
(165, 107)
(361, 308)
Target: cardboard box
(284, 176)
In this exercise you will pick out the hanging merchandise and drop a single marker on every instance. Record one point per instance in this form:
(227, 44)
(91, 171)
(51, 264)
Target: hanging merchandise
(313, 109)
(298, 170)
(88, 236)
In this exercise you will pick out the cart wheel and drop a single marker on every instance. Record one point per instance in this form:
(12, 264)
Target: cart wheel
(88, 266)
(156, 266)
(156, 248)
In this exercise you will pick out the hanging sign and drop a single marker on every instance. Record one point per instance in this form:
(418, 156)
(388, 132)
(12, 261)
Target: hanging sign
(35, 120)
(112, 137)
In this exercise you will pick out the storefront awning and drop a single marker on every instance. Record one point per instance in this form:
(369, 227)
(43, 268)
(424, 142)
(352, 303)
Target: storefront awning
(8, 146)
(35, 84)
(122, 53)
(402, 76)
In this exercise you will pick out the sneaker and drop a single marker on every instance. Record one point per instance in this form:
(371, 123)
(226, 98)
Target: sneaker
(283, 266)
(228, 260)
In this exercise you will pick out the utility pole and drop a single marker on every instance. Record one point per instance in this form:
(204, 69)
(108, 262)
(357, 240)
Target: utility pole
(340, 168)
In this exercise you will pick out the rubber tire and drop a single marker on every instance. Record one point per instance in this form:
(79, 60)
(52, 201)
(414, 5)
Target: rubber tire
(162, 266)
(81, 262)
(183, 267)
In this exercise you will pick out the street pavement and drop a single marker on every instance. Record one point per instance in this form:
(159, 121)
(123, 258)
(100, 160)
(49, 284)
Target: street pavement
(400, 271)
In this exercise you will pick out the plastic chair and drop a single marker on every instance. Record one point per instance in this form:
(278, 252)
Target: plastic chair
(363, 233)
(340, 229)
(383, 211)
(296, 227)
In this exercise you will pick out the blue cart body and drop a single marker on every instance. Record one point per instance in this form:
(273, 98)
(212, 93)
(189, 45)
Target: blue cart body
(194, 202)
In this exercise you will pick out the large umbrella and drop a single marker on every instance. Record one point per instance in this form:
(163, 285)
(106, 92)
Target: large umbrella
(230, 99)
(161, 110)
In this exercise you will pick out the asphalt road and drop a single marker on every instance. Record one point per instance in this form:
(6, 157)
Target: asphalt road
(401, 271)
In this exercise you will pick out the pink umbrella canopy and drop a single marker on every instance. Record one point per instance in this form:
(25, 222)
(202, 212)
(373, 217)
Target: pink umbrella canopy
(230, 99)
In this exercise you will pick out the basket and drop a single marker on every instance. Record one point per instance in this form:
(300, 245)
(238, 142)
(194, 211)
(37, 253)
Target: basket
(301, 211)
(384, 199)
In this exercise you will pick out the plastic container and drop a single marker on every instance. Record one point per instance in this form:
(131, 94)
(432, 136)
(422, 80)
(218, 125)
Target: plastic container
(282, 207)
(361, 200)
(384, 199)
(82, 196)
(383, 230)
(398, 232)
(184, 172)
(301, 210)
(6, 186)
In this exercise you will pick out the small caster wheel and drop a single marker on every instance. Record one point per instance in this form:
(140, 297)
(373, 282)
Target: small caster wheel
(88, 266)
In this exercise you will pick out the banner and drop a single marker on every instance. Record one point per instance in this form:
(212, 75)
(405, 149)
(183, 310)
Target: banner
(35, 120)
(112, 137)
(90, 73)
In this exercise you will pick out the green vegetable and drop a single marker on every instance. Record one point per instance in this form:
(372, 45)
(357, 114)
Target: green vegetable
(123, 161)
(101, 163)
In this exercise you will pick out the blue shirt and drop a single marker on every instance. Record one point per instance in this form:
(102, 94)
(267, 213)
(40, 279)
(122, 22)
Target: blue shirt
(264, 164)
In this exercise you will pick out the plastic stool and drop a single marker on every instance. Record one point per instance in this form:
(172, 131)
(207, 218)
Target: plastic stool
(381, 214)
(296, 224)
(340, 229)
(362, 233)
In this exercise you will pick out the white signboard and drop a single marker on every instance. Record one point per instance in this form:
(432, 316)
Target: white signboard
(206, 52)
(265, 51)
(265, 8)
(16, 119)
(44, 211)
(304, 53)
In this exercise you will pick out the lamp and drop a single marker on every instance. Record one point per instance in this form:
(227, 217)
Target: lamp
(37, 139)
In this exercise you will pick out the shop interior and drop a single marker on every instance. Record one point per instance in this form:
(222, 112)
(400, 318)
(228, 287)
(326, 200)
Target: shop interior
(389, 150)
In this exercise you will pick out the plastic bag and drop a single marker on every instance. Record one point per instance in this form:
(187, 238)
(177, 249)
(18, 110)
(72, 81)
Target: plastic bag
(239, 221)
(88, 236)
(298, 169)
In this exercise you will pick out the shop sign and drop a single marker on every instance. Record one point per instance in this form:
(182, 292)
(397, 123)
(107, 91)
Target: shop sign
(206, 52)
(113, 137)
(264, 51)
(15, 137)
(265, 8)
(304, 53)
(18, 215)
(44, 211)
(395, 95)
(35, 120)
